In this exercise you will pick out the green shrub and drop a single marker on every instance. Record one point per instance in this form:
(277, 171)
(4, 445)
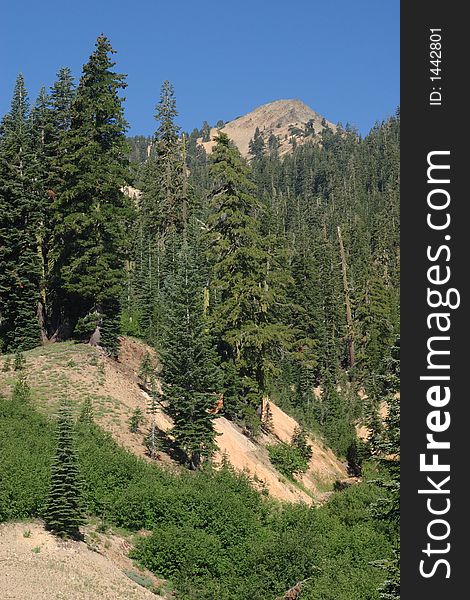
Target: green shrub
(213, 535)
(287, 459)
(142, 580)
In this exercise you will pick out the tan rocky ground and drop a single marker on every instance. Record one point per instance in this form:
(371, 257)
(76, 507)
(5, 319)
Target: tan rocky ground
(279, 118)
(34, 565)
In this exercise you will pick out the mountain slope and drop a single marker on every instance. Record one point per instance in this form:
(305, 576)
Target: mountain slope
(285, 119)
(80, 371)
(37, 565)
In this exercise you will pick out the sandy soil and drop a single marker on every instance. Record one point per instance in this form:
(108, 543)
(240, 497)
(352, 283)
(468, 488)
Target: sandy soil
(34, 565)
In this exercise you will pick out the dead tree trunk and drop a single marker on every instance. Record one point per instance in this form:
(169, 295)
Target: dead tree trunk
(41, 315)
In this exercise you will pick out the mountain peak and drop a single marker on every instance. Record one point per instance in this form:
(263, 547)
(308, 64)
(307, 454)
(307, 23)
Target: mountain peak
(285, 119)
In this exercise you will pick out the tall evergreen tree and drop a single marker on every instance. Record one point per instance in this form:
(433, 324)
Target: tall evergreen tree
(206, 132)
(190, 373)
(247, 284)
(42, 131)
(20, 215)
(386, 447)
(256, 146)
(63, 513)
(163, 214)
(49, 119)
(61, 96)
(92, 213)
(162, 202)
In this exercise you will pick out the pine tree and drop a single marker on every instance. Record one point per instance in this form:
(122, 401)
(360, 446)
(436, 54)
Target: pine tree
(92, 213)
(19, 363)
(247, 284)
(135, 420)
(163, 213)
(148, 375)
(162, 201)
(190, 375)
(20, 213)
(299, 441)
(375, 322)
(206, 132)
(86, 416)
(147, 369)
(153, 406)
(386, 448)
(267, 421)
(273, 146)
(256, 146)
(61, 99)
(42, 131)
(21, 390)
(336, 419)
(63, 511)
(49, 120)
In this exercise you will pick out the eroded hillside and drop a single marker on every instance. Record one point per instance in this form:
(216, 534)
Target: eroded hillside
(81, 372)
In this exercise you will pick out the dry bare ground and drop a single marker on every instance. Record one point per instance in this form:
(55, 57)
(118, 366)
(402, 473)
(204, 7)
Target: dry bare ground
(80, 371)
(34, 565)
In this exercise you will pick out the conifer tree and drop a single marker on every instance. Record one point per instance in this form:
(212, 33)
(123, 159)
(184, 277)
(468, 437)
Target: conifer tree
(206, 132)
(267, 421)
(152, 408)
(19, 363)
(61, 99)
(20, 211)
(92, 213)
(21, 390)
(299, 441)
(273, 146)
(58, 122)
(386, 448)
(162, 201)
(190, 374)
(42, 130)
(135, 420)
(336, 419)
(256, 146)
(49, 120)
(63, 512)
(163, 213)
(86, 416)
(147, 369)
(247, 284)
(375, 321)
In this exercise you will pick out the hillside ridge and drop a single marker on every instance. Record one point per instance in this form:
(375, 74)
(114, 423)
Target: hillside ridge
(81, 371)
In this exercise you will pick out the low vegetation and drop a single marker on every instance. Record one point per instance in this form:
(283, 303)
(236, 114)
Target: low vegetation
(213, 535)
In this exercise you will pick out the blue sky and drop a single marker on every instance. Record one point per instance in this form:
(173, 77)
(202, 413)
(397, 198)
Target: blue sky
(223, 57)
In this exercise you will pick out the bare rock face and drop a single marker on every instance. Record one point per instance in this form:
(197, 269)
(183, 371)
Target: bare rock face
(288, 120)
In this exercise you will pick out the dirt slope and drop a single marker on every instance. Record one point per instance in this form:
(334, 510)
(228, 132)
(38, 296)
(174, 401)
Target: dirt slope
(279, 118)
(79, 372)
(34, 565)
